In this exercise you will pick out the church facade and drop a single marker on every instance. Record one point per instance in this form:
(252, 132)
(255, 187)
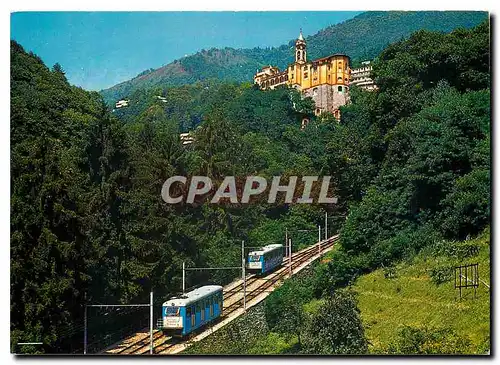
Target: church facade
(325, 80)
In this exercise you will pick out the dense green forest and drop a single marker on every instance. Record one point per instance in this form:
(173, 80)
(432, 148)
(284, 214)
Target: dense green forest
(410, 165)
(361, 38)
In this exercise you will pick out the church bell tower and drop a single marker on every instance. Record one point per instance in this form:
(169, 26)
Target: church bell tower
(300, 49)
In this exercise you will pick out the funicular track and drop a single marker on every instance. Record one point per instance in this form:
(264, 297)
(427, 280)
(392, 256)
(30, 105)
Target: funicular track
(139, 343)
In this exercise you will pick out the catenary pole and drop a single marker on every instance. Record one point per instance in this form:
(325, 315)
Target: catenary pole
(326, 225)
(286, 240)
(319, 239)
(183, 277)
(290, 256)
(151, 323)
(85, 329)
(243, 275)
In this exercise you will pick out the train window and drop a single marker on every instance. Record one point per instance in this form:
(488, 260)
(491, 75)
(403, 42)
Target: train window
(188, 311)
(254, 258)
(172, 311)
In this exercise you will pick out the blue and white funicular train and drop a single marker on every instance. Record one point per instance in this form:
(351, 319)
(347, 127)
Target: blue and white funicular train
(265, 259)
(182, 315)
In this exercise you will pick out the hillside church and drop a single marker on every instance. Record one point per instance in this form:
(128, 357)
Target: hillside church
(325, 80)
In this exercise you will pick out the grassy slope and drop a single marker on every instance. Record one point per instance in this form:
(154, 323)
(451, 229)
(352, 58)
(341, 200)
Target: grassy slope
(411, 298)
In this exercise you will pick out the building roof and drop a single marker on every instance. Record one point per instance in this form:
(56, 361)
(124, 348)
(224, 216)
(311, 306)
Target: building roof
(192, 296)
(266, 249)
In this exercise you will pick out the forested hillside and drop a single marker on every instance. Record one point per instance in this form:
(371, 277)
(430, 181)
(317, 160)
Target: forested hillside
(362, 37)
(410, 164)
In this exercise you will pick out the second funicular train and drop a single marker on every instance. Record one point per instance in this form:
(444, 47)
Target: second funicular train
(265, 259)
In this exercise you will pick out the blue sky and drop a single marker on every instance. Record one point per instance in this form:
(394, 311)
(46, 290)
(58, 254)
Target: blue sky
(100, 49)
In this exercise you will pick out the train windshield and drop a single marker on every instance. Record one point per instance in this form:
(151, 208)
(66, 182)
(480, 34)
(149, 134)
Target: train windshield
(172, 311)
(254, 258)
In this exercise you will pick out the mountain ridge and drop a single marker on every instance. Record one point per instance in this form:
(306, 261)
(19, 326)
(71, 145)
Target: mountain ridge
(362, 37)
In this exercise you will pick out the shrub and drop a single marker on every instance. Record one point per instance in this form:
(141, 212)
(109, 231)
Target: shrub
(441, 274)
(389, 272)
(446, 341)
(459, 250)
(284, 308)
(467, 207)
(344, 268)
(336, 328)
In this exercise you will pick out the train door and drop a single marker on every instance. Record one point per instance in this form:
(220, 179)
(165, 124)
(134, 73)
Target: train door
(188, 322)
(275, 257)
(192, 315)
(198, 313)
(211, 303)
(202, 305)
(219, 300)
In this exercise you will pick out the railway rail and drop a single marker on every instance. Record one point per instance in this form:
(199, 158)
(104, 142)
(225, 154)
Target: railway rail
(139, 343)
